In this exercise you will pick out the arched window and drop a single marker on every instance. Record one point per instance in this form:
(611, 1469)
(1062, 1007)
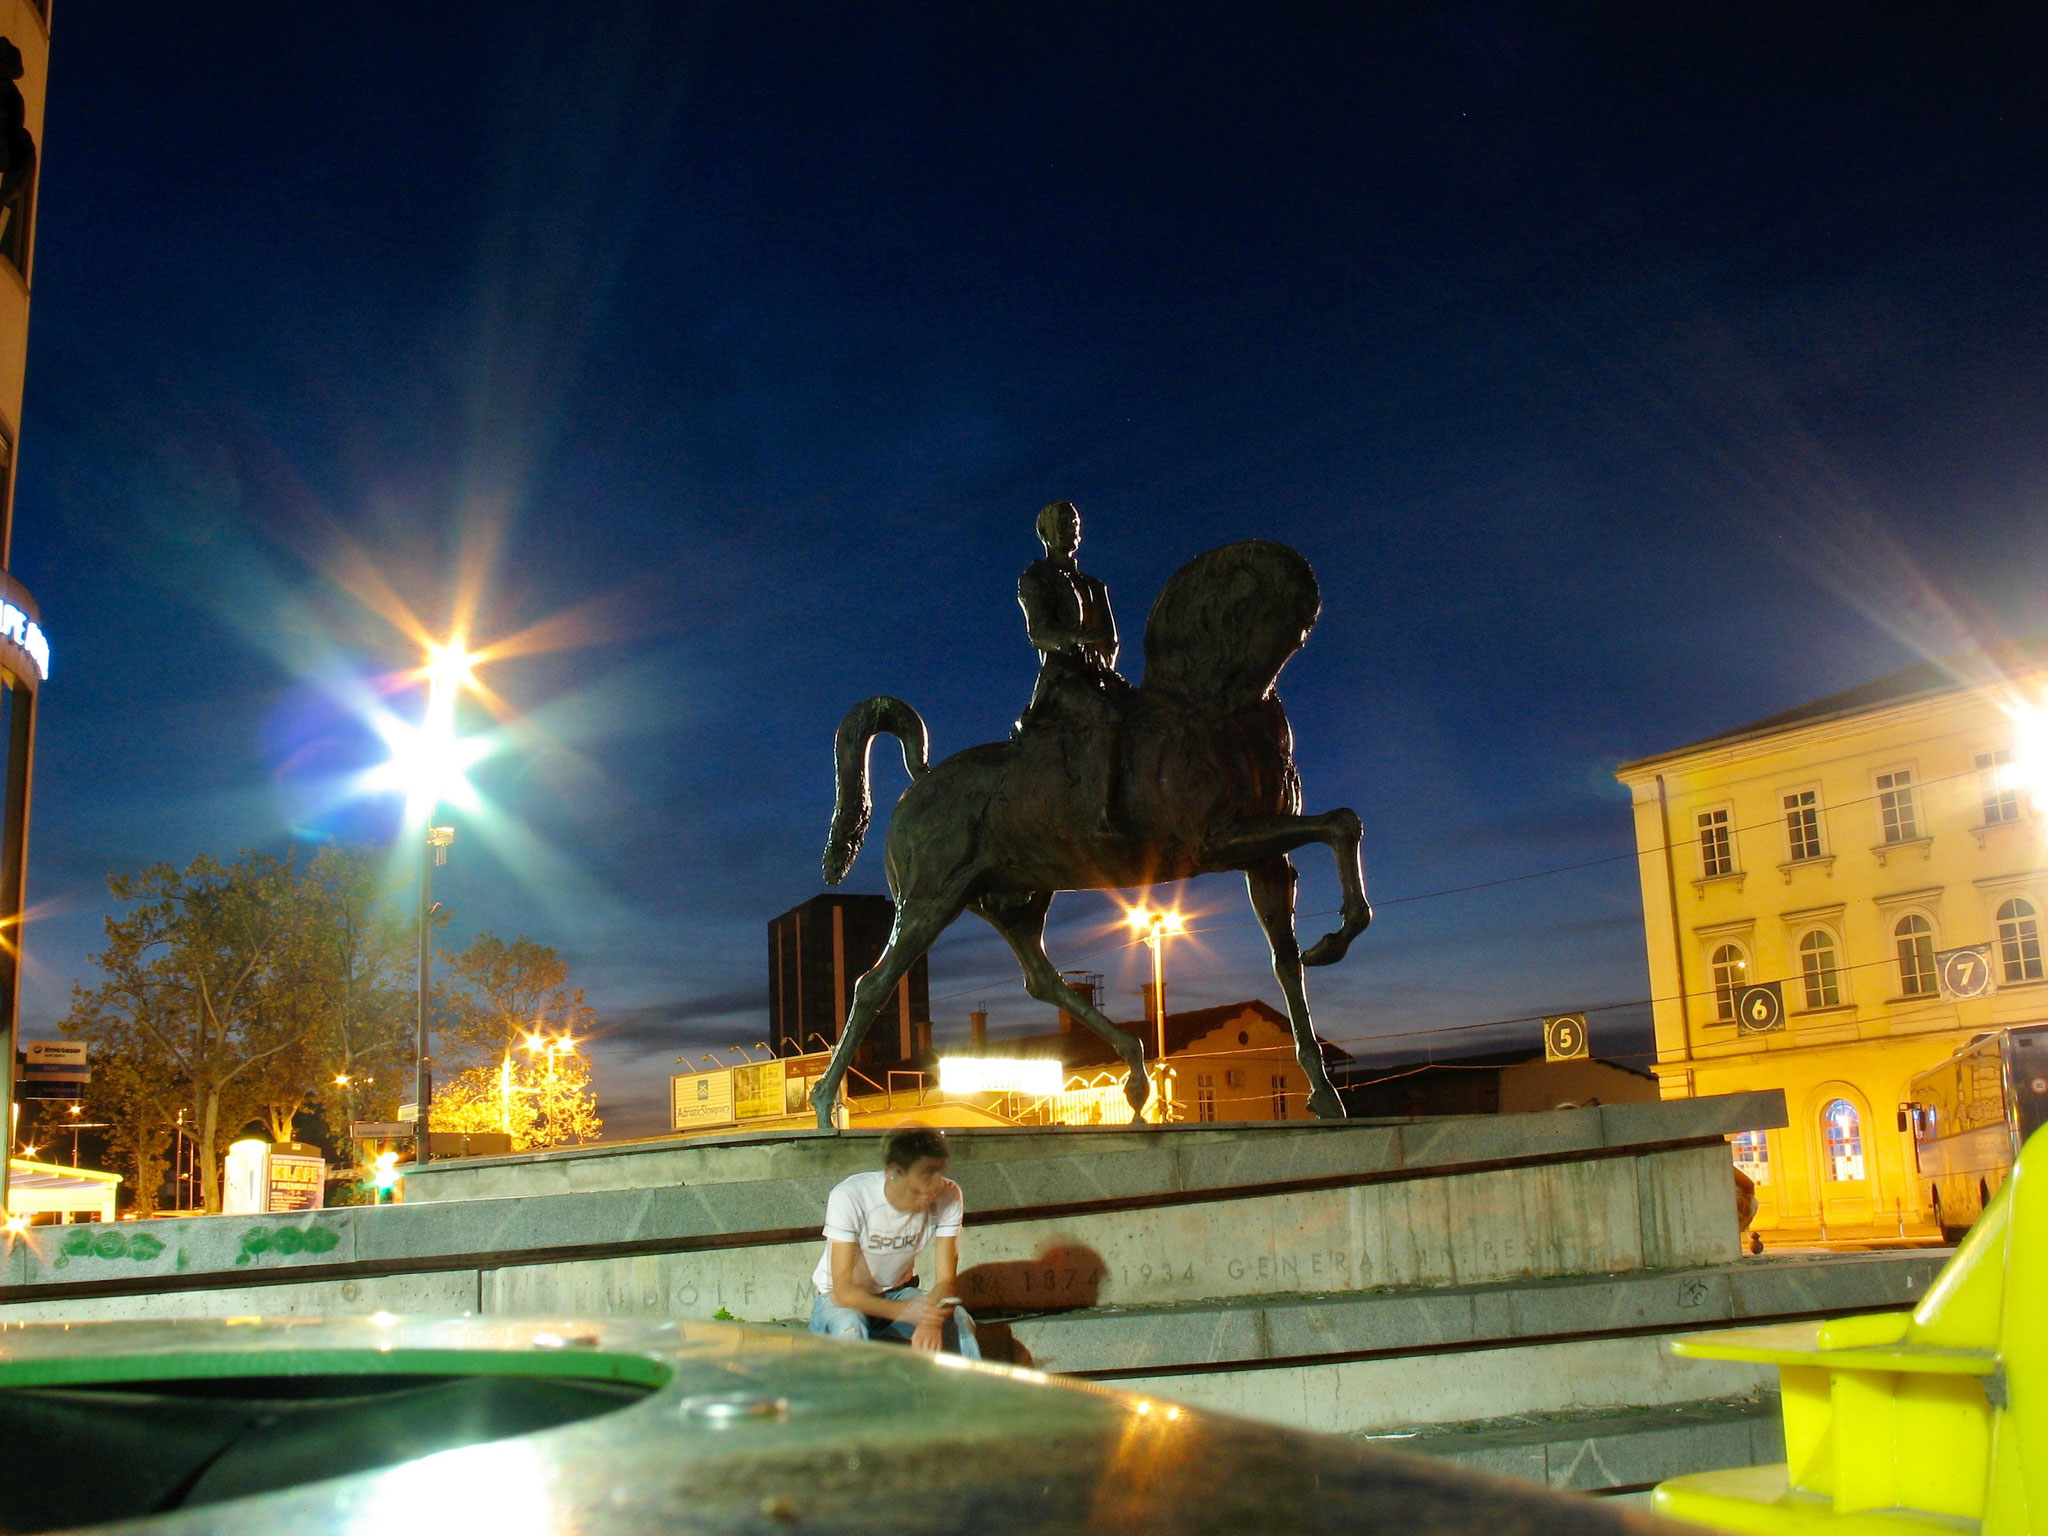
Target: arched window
(1817, 965)
(1730, 969)
(1841, 1128)
(2019, 941)
(1915, 938)
(1753, 1155)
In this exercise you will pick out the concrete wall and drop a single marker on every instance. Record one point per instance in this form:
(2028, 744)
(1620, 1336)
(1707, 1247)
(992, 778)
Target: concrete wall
(1661, 1210)
(1114, 1218)
(1207, 1157)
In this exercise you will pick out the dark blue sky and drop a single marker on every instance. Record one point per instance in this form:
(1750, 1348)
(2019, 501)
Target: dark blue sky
(1625, 371)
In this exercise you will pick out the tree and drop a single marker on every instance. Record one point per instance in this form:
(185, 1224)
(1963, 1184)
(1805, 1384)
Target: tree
(354, 1055)
(541, 1099)
(135, 1101)
(508, 1022)
(212, 975)
(497, 994)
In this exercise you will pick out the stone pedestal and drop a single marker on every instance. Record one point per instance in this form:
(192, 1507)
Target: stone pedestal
(1445, 1277)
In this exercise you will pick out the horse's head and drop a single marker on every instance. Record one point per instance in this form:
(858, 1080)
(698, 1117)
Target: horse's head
(1227, 622)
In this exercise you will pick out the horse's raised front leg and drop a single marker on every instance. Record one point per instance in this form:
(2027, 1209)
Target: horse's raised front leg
(919, 921)
(1271, 885)
(1021, 922)
(1242, 844)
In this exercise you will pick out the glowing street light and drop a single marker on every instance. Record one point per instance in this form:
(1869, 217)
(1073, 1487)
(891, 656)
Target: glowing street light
(2028, 770)
(450, 667)
(562, 1045)
(1154, 928)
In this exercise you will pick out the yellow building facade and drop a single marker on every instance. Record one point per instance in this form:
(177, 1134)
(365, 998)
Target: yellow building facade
(1840, 850)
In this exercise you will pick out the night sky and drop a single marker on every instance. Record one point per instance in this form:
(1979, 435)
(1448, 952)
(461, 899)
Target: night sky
(1626, 372)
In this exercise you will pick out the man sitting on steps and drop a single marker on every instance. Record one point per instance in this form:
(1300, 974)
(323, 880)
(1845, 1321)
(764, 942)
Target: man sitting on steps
(875, 1226)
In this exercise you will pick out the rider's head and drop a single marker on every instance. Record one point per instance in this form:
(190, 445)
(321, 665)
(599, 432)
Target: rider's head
(1059, 528)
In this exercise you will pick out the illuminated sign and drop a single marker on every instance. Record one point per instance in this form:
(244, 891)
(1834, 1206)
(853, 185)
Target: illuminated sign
(757, 1090)
(989, 1074)
(699, 1099)
(28, 634)
(19, 631)
(296, 1183)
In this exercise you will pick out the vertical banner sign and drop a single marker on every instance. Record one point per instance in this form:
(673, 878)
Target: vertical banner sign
(1564, 1037)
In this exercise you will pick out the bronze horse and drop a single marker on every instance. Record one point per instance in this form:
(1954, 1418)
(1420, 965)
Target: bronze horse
(1207, 784)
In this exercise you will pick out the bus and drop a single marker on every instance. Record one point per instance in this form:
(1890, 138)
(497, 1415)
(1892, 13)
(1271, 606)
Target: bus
(1969, 1117)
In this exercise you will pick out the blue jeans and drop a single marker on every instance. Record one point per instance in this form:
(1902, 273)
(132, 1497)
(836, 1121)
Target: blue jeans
(837, 1322)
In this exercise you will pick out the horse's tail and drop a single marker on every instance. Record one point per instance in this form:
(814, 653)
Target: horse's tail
(851, 807)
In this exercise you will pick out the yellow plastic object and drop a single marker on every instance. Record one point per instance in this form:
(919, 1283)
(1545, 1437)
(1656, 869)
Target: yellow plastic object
(1904, 1422)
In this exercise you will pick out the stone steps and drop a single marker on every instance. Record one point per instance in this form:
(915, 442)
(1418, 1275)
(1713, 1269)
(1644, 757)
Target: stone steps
(1387, 1360)
(1264, 1331)
(1607, 1453)
(1501, 1288)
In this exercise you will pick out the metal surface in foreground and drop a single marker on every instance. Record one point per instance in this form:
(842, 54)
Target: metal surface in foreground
(730, 1429)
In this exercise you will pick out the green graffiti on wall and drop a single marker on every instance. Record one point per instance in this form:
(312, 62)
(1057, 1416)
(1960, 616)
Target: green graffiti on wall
(107, 1243)
(258, 1241)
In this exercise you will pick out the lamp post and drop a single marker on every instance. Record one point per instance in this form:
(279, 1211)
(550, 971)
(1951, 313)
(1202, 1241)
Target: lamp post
(75, 1125)
(552, 1045)
(1154, 928)
(448, 668)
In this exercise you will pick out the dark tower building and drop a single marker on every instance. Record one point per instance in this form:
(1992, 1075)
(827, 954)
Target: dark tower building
(816, 952)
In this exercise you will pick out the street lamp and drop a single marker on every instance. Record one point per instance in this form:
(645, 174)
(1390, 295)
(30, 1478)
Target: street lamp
(559, 1044)
(1155, 928)
(448, 669)
(75, 1125)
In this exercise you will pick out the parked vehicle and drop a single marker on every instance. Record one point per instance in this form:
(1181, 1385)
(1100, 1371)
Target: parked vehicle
(1969, 1117)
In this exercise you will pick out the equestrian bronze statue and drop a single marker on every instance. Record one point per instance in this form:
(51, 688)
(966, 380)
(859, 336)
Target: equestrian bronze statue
(1104, 786)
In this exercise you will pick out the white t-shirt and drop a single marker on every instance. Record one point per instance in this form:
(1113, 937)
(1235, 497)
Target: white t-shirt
(889, 1240)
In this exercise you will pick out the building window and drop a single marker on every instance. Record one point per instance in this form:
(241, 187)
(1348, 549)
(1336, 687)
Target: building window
(1730, 968)
(17, 180)
(1279, 1096)
(1717, 846)
(1205, 1098)
(1817, 966)
(1842, 1129)
(6, 484)
(1802, 824)
(1752, 1154)
(2001, 796)
(1915, 938)
(1895, 805)
(2019, 941)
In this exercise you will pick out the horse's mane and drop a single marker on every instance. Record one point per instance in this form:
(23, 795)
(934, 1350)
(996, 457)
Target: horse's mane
(1227, 622)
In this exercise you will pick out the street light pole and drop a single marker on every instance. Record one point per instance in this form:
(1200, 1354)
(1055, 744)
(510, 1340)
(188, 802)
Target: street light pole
(1153, 928)
(1157, 931)
(433, 851)
(447, 669)
(423, 1086)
